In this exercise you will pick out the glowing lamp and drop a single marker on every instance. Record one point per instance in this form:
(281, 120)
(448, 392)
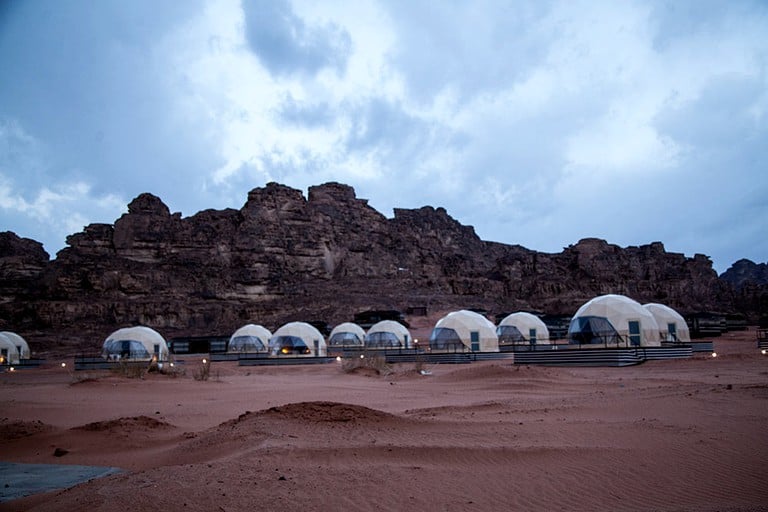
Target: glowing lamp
(714, 354)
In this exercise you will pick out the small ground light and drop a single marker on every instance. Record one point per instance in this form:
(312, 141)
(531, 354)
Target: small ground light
(338, 358)
(205, 361)
(764, 351)
(63, 365)
(714, 354)
(170, 364)
(362, 356)
(12, 369)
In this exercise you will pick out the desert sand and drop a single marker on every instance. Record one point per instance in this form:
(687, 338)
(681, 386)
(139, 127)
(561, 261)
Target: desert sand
(683, 435)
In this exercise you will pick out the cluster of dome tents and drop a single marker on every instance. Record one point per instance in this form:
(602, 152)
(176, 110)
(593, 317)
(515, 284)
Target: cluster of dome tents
(608, 320)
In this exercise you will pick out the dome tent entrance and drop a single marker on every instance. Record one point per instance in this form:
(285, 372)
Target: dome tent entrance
(136, 343)
(347, 334)
(464, 331)
(672, 326)
(249, 338)
(297, 338)
(522, 328)
(388, 334)
(614, 320)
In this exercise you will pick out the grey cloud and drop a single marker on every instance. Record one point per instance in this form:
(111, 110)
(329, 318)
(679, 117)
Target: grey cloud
(720, 117)
(286, 44)
(401, 140)
(307, 114)
(463, 47)
(681, 19)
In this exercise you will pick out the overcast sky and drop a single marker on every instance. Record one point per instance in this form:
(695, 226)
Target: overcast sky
(539, 123)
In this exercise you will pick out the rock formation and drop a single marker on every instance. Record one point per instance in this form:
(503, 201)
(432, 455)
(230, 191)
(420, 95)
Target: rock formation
(746, 273)
(285, 257)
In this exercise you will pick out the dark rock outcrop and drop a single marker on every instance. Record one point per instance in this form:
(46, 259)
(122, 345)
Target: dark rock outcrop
(750, 282)
(285, 257)
(746, 272)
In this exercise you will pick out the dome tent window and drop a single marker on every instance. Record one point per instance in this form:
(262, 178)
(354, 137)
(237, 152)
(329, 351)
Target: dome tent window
(592, 330)
(383, 340)
(126, 349)
(444, 338)
(243, 343)
(344, 339)
(509, 334)
(347, 334)
(286, 345)
(249, 338)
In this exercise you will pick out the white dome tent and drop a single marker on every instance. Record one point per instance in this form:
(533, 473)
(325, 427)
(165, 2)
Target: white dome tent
(9, 354)
(464, 331)
(388, 334)
(672, 326)
(522, 328)
(297, 338)
(249, 338)
(135, 343)
(348, 335)
(614, 320)
(21, 344)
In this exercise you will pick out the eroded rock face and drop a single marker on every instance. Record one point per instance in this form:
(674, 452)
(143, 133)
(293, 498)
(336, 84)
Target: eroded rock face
(285, 257)
(21, 263)
(746, 273)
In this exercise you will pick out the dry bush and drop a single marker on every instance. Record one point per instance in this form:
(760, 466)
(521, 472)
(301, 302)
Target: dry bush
(82, 377)
(376, 363)
(131, 370)
(203, 372)
(170, 369)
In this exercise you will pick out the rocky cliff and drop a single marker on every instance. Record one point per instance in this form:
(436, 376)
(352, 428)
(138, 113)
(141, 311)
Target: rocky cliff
(285, 257)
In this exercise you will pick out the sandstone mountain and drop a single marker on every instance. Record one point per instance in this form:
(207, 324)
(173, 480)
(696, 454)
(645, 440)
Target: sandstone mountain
(285, 257)
(746, 273)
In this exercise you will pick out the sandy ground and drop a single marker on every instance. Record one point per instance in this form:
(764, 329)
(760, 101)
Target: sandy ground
(688, 435)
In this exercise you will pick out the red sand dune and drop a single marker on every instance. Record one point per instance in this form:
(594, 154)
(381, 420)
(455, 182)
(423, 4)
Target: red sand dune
(685, 435)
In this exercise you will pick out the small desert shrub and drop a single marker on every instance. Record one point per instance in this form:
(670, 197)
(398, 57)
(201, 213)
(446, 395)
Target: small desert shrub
(203, 372)
(131, 370)
(420, 363)
(171, 370)
(82, 377)
(372, 362)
